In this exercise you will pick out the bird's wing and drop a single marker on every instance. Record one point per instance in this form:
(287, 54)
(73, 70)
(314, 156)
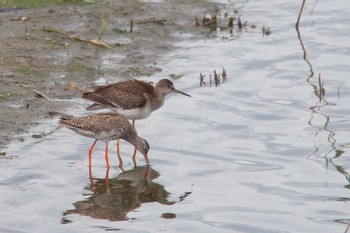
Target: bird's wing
(96, 122)
(125, 95)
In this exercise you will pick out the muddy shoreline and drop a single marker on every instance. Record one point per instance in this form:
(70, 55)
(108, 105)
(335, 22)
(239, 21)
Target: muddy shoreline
(34, 59)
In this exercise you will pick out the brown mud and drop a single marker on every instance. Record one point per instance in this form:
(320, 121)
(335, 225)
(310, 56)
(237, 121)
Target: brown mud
(32, 58)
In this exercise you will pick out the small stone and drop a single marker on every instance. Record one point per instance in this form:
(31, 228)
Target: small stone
(2, 153)
(168, 215)
(36, 136)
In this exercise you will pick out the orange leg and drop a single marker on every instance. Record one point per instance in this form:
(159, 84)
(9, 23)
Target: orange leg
(146, 159)
(106, 156)
(118, 143)
(133, 159)
(107, 177)
(90, 152)
(134, 156)
(91, 179)
(90, 166)
(145, 175)
(119, 157)
(135, 151)
(90, 158)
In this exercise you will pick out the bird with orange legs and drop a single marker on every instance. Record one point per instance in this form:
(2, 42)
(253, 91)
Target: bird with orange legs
(106, 127)
(133, 99)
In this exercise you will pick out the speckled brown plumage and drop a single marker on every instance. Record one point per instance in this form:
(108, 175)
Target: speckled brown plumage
(106, 127)
(125, 95)
(132, 95)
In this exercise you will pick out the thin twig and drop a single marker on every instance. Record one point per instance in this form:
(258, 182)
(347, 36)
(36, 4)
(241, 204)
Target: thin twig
(95, 42)
(151, 21)
(42, 95)
(72, 86)
(300, 12)
(347, 228)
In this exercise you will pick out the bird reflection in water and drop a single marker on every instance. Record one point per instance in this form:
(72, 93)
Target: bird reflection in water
(113, 200)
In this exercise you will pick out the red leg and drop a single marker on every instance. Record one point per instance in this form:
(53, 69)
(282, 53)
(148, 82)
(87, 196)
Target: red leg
(91, 179)
(118, 143)
(119, 157)
(146, 159)
(90, 151)
(146, 173)
(106, 156)
(134, 156)
(135, 151)
(90, 158)
(107, 177)
(133, 159)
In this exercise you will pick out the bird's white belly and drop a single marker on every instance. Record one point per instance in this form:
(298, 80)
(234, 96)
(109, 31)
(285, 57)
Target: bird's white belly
(135, 114)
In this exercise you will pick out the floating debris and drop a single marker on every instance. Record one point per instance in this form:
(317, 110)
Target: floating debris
(230, 22)
(131, 25)
(266, 31)
(175, 76)
(226, 22)
(168, 215)
(209, 22)
(240, 25)
(197, 22)
(37, 136)
(321, 89)
(224, 74)
(218, 78)
(23, 19)
(201, 76)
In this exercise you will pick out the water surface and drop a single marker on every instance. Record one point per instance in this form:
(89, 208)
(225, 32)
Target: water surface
(262, 152)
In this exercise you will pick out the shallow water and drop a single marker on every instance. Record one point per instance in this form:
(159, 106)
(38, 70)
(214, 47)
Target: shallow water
(262, 152)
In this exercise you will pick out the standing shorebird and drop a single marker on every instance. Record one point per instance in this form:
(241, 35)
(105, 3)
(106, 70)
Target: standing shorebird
(107, 127)
(134, 99)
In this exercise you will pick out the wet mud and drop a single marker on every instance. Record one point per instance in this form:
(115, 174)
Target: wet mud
(34, 60)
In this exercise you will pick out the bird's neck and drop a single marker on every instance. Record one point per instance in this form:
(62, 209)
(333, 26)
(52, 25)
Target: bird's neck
(158, 99)
(136, 142)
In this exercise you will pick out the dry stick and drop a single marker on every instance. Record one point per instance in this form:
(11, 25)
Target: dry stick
(102, 30)
(230, 22)
(42, 95)
(72, 86)
(302, 44)
(210, 80)
(197, 23)
(300, 12)
(201, 79)
(240, 26)
(65, 34)
(224, 74)
(95, 42)
(131, 25)
(151, 21)
(321, 88)
(347, 228)
(215, 78)
(213, 21)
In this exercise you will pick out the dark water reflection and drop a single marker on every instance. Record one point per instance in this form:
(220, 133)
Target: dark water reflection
(114, 198)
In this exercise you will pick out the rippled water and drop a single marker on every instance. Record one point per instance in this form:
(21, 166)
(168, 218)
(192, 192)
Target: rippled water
(262, 152)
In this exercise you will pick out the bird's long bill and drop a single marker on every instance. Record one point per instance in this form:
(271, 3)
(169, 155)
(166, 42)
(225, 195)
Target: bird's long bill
(180, 92)
(146, 159)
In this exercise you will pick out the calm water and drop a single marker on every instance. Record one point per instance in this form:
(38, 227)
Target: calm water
(260, 153)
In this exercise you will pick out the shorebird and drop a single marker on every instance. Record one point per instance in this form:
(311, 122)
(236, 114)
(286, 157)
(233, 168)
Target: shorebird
(107, 127)
(134, 99)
